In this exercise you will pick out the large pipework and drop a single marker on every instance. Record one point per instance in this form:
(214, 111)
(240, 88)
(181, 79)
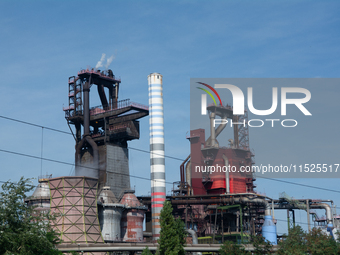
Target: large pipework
(326, 207)
(218, 130)
(86, 92)
(102, 96)
(268, 227)
(226, 163)
(182, 170)
(157, 163)
(91, 171)
(213, 142)
(188, 173)
(194, 239)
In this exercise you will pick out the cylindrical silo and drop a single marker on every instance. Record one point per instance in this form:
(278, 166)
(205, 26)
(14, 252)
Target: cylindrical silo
(156, 150)
(132, 218)
(109, 214)
(269, 229)
(41, 197)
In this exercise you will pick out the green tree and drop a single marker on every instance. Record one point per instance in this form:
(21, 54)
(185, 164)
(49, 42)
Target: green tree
(261, 246)
(320, 243)
(294, 243)
(23, 231)
(146, 251)
(172, 234)
(314, 243)
(230, 248)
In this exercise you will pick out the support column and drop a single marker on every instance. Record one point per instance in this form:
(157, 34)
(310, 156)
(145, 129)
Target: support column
(308, 216)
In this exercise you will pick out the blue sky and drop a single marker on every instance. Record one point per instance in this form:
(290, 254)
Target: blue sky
(44, 42)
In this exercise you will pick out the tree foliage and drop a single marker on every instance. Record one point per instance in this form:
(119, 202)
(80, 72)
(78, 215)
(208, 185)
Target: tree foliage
(315, 242)
(230, 248)
(261, 245)
(294, 243)
(319, 243)
(146, 251)
(23, 231)
(172, 234)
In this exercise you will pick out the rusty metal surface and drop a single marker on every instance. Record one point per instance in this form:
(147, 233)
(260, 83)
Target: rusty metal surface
(132, 219)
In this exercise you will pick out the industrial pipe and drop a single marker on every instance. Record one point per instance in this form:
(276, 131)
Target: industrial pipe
(94, 170)
(102, 96)
(268, 227)
(188, 176)
(182, 169)
(224, 200)
(326, 207)
(86, 92)
(226, 163)
(213, 142)
(194, 239)
(257, 201)
(132, 247)
(219, 129)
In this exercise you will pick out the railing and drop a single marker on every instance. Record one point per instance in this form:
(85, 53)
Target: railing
(140, 106)
(47, 176)
(117, 105)
(227, 106)
(71, 111)
(117, 129)
(70, 107)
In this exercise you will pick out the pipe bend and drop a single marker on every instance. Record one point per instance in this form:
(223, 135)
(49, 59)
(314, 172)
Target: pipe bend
(258, 201)
(326, 207)
(194, 238)
(78, 151)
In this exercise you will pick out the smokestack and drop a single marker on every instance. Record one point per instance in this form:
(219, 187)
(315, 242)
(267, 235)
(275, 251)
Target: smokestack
(156, 150)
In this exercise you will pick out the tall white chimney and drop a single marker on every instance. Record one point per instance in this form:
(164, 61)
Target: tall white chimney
(157, 163)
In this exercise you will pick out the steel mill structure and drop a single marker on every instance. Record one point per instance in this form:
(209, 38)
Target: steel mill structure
(97, 205)
(102, 150)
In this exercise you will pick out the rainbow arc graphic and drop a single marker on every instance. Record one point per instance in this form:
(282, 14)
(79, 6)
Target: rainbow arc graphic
(209, 93)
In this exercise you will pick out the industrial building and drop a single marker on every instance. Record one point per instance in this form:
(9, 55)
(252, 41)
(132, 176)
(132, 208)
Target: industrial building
(98, 206)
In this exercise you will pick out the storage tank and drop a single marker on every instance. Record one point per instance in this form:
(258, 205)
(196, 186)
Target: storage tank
(132, 218)
(269, 229)
(109, 214)
(40, 198)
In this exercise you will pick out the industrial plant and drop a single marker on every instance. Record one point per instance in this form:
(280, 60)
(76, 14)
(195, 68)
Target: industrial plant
(98, 205)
